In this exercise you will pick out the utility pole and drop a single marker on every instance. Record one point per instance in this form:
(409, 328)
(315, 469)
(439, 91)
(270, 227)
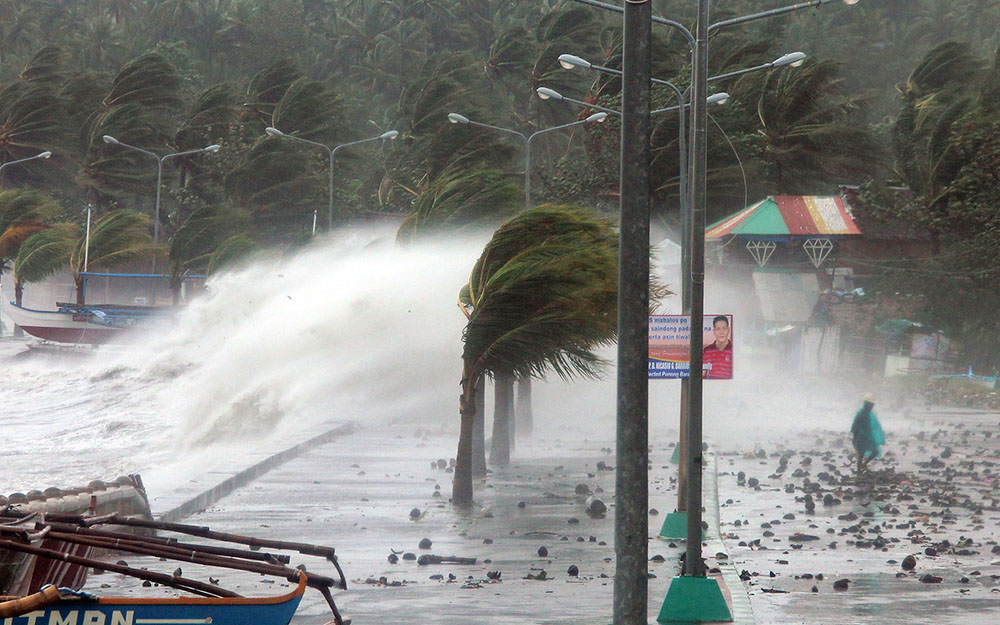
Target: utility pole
(693, 563)
(631, 588)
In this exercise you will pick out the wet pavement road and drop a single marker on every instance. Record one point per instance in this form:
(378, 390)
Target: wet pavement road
(357, 493)
(934, 497)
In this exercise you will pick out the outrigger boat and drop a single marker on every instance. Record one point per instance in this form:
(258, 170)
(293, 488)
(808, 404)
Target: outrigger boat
(63, 605)
(213, 605)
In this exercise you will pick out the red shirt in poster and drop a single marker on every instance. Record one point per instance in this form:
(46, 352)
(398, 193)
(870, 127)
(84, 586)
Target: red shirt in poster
(718, 363)
(717, 356)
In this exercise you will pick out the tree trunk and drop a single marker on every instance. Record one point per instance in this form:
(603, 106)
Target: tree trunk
(18, 295)
(81, 294)
(461, 486)
(500, 447)
(522, 408)
(479, 431)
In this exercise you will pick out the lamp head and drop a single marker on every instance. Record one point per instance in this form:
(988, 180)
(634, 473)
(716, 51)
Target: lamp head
(569, 61)
(274, 132)
(455, 118)
(851, 2)
(546, 94)
(717, 98)
(792, 58)
(389, 134)
(215, 147)
(44, 154)
(597, 117)
(110, 139)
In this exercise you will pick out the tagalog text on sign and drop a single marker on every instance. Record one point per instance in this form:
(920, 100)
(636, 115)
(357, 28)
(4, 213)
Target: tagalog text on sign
(669, 346)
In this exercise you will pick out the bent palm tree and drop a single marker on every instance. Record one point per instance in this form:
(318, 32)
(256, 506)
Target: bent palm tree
(43, 254)
(541, 297)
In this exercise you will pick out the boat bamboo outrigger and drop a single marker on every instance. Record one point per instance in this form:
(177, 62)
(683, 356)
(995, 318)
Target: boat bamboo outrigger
(24, 533)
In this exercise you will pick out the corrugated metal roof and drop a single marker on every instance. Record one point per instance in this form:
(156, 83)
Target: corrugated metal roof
(786, 216)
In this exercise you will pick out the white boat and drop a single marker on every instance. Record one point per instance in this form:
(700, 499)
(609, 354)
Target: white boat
(83, 324)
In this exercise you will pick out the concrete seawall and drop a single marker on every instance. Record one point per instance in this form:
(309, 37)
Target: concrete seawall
(202, 500)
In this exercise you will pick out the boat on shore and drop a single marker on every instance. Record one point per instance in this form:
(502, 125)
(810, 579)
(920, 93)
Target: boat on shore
(75, 542)
(85, 324)
(62, 605)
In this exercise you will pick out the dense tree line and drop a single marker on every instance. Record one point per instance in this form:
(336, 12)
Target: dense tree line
(177, 75)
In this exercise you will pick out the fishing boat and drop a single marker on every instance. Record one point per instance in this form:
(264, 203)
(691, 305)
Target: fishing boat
(94, 324)
(33, 534)
(84, 324)
(63, 605)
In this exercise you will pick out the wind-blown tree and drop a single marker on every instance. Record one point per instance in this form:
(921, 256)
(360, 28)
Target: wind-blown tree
(23, 212)
(231, 251)
(541, 297)
(812, 132)
(940, 91)
(119, 237)
(200, 236)
(43, 254)
(273, 186)
(448, 84)
(139, 109)
(462, 199)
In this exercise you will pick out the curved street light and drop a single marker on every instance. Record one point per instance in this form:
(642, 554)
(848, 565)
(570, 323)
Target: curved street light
(274, 132)
(630, 583)
(41, 155)
(571, 61)
(159, 171)
(456, 118)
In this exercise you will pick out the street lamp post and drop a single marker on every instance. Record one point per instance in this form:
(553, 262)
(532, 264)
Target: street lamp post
(274, 132)
(635, 154)
(455, 118)
(41, 155)
(159, 171)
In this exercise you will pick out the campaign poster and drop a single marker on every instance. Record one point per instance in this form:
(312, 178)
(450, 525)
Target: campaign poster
(669, 342)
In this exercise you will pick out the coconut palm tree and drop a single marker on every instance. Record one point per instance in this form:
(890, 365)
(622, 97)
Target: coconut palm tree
(119, 237)
(811, 131)
(461, 199)
(199, 238)
(541, 297)
(23, 212)
(42, 254)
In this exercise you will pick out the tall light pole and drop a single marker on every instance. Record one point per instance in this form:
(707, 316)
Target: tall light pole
(41, 155)
(159, 171)
(637, 19)
(674, 521)
(274, 132)
(455, 118)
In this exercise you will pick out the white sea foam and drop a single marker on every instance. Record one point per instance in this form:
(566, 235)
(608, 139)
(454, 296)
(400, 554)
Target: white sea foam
(353, 328)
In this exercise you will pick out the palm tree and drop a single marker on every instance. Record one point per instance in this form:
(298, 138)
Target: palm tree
(23, 212)
(42, 254)
(541, 297)
(812, 132)
(460, 199)
(198, 240)
(118, 237)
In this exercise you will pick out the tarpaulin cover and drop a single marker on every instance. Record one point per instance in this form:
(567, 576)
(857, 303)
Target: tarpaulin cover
(785, 216)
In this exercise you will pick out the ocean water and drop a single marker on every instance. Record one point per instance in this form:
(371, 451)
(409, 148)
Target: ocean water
(352, 328)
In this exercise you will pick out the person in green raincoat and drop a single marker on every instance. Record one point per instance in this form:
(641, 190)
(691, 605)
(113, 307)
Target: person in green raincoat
(866, 434)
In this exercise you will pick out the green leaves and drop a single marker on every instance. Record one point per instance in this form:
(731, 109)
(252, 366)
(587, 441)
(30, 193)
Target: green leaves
(542, 295)
(462, 199)
(44, 253)
(118, 237)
